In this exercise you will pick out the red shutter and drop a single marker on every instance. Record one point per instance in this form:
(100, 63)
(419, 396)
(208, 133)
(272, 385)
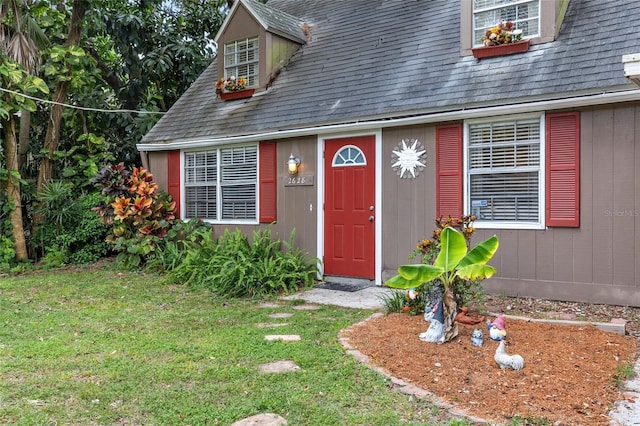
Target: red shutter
(449, 171)
(173, 178)
(268, 182)
(563, 169)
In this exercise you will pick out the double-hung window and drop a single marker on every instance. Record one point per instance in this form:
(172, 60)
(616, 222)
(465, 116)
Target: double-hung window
(505, 172)
(525, 14)
(241, 59)
(222, 184)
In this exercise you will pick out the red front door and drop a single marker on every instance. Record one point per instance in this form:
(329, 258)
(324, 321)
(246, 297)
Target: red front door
(349, 210)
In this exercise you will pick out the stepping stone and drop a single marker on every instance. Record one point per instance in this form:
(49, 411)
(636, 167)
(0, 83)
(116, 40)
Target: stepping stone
(281, 315)
(268, 305)
(279, 367)
(306, 307)
(283, 337)
(267, 419)
(272, 324)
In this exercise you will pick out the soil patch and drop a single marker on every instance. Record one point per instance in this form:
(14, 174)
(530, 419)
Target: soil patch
(569, 376)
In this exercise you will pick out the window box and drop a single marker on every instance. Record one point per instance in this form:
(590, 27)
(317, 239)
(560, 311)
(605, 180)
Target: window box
(500, 50)
(238, 94)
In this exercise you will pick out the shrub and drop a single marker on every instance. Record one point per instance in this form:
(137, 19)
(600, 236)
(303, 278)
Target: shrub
(172, 250)
(232, 266)
(70, 231)
(7, 253)
(194, 269)
(140, 214)
(89, 241)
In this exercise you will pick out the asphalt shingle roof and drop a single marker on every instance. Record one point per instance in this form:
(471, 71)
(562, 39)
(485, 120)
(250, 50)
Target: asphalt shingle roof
(373, 59)
(276, 21)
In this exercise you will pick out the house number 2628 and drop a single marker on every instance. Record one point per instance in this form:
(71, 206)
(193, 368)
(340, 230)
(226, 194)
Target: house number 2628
(299, 181)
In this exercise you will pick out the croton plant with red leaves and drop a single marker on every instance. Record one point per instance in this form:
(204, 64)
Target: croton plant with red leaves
(139, 212)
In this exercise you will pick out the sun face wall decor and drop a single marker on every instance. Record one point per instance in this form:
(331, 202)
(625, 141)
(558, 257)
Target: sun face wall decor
(409, 158)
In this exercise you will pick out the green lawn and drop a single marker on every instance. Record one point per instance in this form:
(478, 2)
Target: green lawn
(80, 347)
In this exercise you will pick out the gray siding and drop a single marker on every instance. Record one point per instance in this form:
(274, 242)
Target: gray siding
(408, 204)
(277, 52)
(157, 165)
(596, 262)
(297, 207)
(593, 263)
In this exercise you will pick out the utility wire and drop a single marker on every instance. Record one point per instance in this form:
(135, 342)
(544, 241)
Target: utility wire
(79, 107)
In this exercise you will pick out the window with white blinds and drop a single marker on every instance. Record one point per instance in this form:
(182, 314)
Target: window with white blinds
(221, 184)
(504, 171)
(489, 13)
(241, 60)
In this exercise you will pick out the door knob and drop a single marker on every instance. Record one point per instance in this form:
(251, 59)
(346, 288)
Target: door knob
(370, 218)
(371, 208)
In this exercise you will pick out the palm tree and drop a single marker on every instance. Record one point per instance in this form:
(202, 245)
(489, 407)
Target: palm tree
(20, 36)
(20, 40)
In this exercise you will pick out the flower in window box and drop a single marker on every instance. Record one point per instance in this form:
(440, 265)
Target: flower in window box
(503, 33)
(230, 84)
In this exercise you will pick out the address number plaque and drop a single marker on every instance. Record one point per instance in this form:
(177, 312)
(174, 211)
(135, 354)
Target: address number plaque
(299, 181)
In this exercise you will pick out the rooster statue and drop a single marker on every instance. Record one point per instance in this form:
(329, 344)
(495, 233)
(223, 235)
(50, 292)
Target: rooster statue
(505, 360)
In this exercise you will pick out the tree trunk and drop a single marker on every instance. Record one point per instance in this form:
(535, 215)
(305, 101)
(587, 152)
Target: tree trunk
(450, 311)
(13, 188)
(52, 136)
(23, 140)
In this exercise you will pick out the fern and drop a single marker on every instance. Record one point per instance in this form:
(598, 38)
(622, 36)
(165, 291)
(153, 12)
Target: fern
(235, 267)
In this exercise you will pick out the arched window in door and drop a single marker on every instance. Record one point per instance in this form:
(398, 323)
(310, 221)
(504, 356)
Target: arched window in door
(349, 155)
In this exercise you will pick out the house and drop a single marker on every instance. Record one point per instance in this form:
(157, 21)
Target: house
(388, 120)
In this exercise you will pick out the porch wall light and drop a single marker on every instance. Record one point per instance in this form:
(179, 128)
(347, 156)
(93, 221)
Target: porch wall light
(293, 164)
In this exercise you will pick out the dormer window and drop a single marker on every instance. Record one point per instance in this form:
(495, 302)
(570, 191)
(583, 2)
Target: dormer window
(256, 41)
(488, 13)
(241, 58)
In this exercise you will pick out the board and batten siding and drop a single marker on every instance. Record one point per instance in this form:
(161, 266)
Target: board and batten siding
(297, 208)
(408, 205)
(157, 163)
(596, 262)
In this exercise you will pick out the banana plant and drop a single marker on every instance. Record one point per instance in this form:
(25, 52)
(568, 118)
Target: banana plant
(453, 261)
